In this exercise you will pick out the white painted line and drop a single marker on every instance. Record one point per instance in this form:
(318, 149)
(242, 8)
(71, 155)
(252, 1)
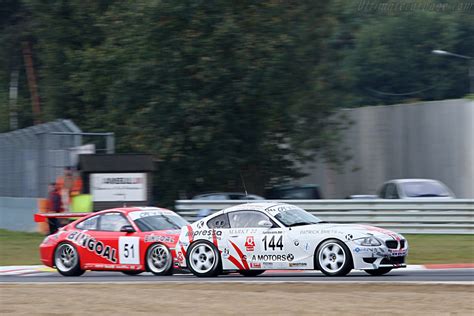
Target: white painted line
(247, 282)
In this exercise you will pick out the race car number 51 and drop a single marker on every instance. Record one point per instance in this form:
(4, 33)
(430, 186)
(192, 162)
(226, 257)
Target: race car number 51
(129, 250)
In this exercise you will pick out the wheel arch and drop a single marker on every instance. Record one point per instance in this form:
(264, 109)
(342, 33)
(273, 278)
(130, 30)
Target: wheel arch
(322, 242)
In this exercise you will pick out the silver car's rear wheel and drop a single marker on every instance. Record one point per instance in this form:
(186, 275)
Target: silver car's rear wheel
(159, 260)
(333, 258)
(66, 260)
(203, 259)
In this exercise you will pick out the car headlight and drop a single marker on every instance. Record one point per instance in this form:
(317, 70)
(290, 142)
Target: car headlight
(367, 241)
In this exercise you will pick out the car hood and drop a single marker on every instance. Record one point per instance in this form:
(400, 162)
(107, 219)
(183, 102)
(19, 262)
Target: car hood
(349, 231)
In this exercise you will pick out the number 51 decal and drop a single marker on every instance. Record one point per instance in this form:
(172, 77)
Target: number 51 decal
(129, 250)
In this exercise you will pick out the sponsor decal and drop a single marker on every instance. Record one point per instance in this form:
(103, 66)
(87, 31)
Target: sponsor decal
(180, 256)
(157, 212)
(306, 246)
(256, 265)
(349, 237)
(204, 233)
(397, 253)
(113, 266)
(200, 224)
(297, 264)
(280, 208)
(225, 253)
(249, 243)
(242, 231)
(90, 243)
(297, 243)
(158, 238)
(272, 232)
(267, 264)
(320, 231)
(262, 257)
(375, 251)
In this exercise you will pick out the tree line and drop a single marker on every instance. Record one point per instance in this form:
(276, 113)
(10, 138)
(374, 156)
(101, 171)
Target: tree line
(218, 91)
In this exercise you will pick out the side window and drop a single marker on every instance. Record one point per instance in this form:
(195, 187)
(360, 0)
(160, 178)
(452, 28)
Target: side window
(112, 222)
(391, 192)
(243, 219)
(382, 191)
(88, 224)
(220, 221)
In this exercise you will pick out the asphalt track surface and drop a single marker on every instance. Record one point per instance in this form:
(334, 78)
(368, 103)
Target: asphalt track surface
(461, 276)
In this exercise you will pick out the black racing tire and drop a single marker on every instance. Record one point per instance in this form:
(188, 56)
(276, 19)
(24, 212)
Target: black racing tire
(159, 260)
(131, 272)
(203, 259)
(251, 273)
(67, 261)
(333, 258)
(379, 271)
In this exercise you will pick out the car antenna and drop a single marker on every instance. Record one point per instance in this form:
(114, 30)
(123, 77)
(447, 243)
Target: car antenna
(243, 184)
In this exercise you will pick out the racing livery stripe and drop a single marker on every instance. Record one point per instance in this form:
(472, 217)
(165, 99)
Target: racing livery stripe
(236, 263)
(190, 233)
(183, 251)
(214, 238)
(383, 231)
(241, 255)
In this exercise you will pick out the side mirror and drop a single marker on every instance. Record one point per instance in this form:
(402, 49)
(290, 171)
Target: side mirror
(127, 229)
(265, 223)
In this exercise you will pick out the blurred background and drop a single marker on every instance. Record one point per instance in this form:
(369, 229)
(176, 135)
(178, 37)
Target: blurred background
(341, 94)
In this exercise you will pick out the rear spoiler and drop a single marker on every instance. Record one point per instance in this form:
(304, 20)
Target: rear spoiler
(42, 217)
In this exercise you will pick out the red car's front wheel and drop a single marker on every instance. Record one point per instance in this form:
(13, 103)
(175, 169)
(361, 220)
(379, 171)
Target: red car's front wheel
(66, 260)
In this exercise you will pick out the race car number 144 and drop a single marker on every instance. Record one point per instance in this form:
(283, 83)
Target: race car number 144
(129, 250)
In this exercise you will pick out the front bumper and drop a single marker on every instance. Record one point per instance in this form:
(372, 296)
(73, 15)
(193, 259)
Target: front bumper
(368, 258)
(46, 254)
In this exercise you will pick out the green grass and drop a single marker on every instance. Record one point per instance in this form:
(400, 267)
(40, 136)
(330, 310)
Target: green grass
(17, 248)
(440, 249)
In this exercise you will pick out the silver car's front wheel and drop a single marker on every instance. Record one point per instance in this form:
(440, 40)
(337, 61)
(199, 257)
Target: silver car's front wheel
(159, 260)
(333, 258)
(203, 259)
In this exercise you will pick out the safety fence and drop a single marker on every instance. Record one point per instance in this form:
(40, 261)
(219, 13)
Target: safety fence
(426, 216)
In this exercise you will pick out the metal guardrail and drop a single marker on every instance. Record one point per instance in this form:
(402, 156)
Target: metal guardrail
(424, 216)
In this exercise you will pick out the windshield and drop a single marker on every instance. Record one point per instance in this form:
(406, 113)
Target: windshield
(160, 222)
(296, 217)
(424, 189)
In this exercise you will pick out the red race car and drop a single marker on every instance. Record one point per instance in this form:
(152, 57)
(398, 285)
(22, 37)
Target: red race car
(131, 240)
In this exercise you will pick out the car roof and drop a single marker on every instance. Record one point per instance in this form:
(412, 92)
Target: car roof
(262, 206)
(200, 196)
(412, 180)
(126, 210)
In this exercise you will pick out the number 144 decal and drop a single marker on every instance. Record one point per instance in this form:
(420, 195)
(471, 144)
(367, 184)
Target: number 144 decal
(271, 243)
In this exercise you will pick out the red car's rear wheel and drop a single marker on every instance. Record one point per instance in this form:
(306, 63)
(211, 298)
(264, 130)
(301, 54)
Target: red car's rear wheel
(159, 260)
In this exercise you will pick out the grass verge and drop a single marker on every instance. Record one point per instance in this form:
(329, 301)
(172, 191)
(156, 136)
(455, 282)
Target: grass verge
(18, 248)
